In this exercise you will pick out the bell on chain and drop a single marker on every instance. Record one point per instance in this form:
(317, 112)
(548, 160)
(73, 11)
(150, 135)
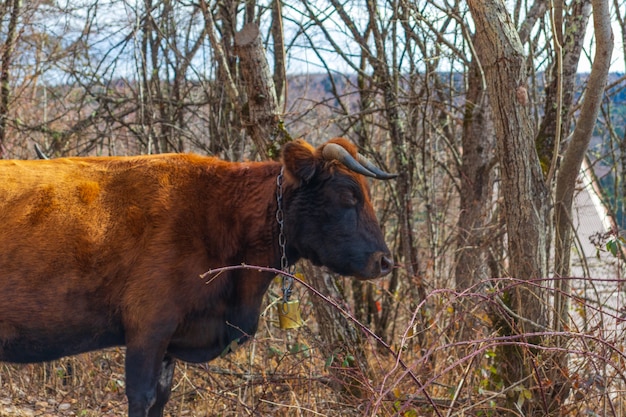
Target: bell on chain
(289, 314)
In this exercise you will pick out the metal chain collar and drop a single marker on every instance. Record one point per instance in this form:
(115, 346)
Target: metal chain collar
(282, 240)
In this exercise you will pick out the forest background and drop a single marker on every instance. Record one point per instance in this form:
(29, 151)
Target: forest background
(477, 105)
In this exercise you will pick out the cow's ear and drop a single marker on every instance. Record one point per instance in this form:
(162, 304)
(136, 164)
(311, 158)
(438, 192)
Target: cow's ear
(299, 160)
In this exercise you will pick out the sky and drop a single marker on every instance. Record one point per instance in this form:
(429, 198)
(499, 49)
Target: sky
(617, 59)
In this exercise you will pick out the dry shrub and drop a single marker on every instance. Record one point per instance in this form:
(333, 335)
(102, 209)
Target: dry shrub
(283, 373)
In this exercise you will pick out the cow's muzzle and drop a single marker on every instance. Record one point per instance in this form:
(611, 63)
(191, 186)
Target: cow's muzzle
(380, 264)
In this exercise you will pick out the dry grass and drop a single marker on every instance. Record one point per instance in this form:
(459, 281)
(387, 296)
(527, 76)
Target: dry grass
(276, 374)
(283, 373)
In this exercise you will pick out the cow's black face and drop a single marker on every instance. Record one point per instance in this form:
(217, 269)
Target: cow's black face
(329, 220)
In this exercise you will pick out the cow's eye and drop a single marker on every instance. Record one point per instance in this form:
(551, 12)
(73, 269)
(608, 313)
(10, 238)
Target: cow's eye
(348, 199)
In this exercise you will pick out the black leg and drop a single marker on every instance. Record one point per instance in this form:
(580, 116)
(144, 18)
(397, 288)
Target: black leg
(164, 386)
(146, 345)
(141, 379)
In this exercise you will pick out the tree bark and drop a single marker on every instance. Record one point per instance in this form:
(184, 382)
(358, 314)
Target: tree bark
(220, 56)
(13, 7)
(578, 144)
(523, 188)
(261, 114)
(524, 191)
(568, 173)
(561, 89)
(621, 197)
(278, 36)
(476, 176)
(475, 227)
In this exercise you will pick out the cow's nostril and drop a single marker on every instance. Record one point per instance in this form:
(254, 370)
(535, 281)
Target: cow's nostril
(386, 264)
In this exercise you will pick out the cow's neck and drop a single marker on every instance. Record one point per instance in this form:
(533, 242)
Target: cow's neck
(256, 210)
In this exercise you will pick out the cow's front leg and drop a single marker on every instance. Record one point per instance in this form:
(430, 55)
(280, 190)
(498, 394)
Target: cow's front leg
(143, 371)
(164, 386)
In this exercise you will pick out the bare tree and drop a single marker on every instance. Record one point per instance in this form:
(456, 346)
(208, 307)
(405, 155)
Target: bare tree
(524, 191)
(576, 148)
(10, 12)
(476, 220)
(523, 188)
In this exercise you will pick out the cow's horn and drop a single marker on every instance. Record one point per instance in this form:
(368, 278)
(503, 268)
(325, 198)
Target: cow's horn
(360, 165)
(334, 151)
(380, 174)
(40, 153)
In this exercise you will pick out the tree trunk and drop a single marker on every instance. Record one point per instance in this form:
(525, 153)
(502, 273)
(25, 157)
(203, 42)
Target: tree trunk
(525, 194)
(562, 87)
(475, 223)
(554, 127)
(568, 174)
(476, 177)
(261, 114)
(579, 142)
(620, 206)
(12, 7)
(278, 36)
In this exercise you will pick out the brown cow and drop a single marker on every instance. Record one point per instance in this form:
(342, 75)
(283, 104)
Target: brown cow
(98, 252)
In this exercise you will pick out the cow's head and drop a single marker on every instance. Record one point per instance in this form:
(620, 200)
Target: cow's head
(329, 218)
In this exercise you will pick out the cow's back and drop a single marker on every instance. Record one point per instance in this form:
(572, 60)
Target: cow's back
(71, 235)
